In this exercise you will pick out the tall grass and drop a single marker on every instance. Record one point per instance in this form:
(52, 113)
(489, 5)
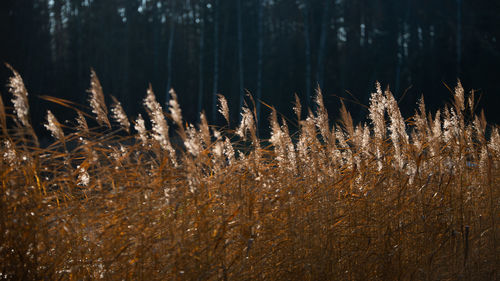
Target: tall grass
(393, 199)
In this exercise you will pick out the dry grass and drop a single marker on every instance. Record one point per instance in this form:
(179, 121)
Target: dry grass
(341, 202)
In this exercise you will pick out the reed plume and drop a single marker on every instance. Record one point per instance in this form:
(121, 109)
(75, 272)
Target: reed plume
(391, 199)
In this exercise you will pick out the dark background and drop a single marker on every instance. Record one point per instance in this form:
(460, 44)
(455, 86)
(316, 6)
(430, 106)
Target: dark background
(272, 48)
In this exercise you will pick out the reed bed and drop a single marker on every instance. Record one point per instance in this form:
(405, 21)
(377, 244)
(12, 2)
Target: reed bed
(156, 198)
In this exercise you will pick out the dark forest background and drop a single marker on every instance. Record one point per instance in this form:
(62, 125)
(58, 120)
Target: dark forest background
(272, 48)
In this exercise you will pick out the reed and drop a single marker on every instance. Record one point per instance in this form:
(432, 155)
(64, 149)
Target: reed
(392, 199)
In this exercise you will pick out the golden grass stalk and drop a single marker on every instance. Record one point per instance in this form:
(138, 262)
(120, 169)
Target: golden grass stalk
(389, 200)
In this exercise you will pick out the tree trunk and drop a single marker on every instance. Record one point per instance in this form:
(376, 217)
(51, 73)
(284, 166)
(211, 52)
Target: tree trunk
(169, 59)
(260, 46)
(240, 54)
(307, 39)
(79, 56)
(216, 61)
(459, 37)
(126, 62)
(320, 71)
(156, 43)
(201, 58)
(401, 48)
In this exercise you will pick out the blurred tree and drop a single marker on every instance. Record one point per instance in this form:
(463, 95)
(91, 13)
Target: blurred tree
(240, 53)
(322, 43)
(200, 20)
(305, 9)
(215, 79)
(260, 48)
(272, 48)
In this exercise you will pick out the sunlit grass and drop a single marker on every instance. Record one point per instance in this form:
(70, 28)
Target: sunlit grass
(414, 199)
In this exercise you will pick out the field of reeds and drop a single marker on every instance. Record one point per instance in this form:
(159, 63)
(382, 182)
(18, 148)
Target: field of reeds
(159, 199)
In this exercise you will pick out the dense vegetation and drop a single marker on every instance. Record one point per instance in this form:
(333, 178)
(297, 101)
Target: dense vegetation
(393, 199)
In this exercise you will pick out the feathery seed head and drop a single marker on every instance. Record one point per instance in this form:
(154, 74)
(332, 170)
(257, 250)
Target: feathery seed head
(97, 101)
(289, 147)
(223, 107)
(83, 177)
(277, 138)
(494, 143)
(193, 142)
(459, 98)
(174, 108)
(479, 128)
(451, 126)
(365, 140)
(160, 126)
(229, 151)
(205, 130)
(436, 127)
(471, 101)
(321, 119)
(273, 120)
(397, 123)
(421, 122)
(20, 99)
(376, 112)
(9, 153)
(218, 149)
(436, 136)
(318, 99)
(54, 127)
(140, 127)
(119, 114)
(216, 133)
(247, 122)
(421, 105)
(297, 108)
(82, 123)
